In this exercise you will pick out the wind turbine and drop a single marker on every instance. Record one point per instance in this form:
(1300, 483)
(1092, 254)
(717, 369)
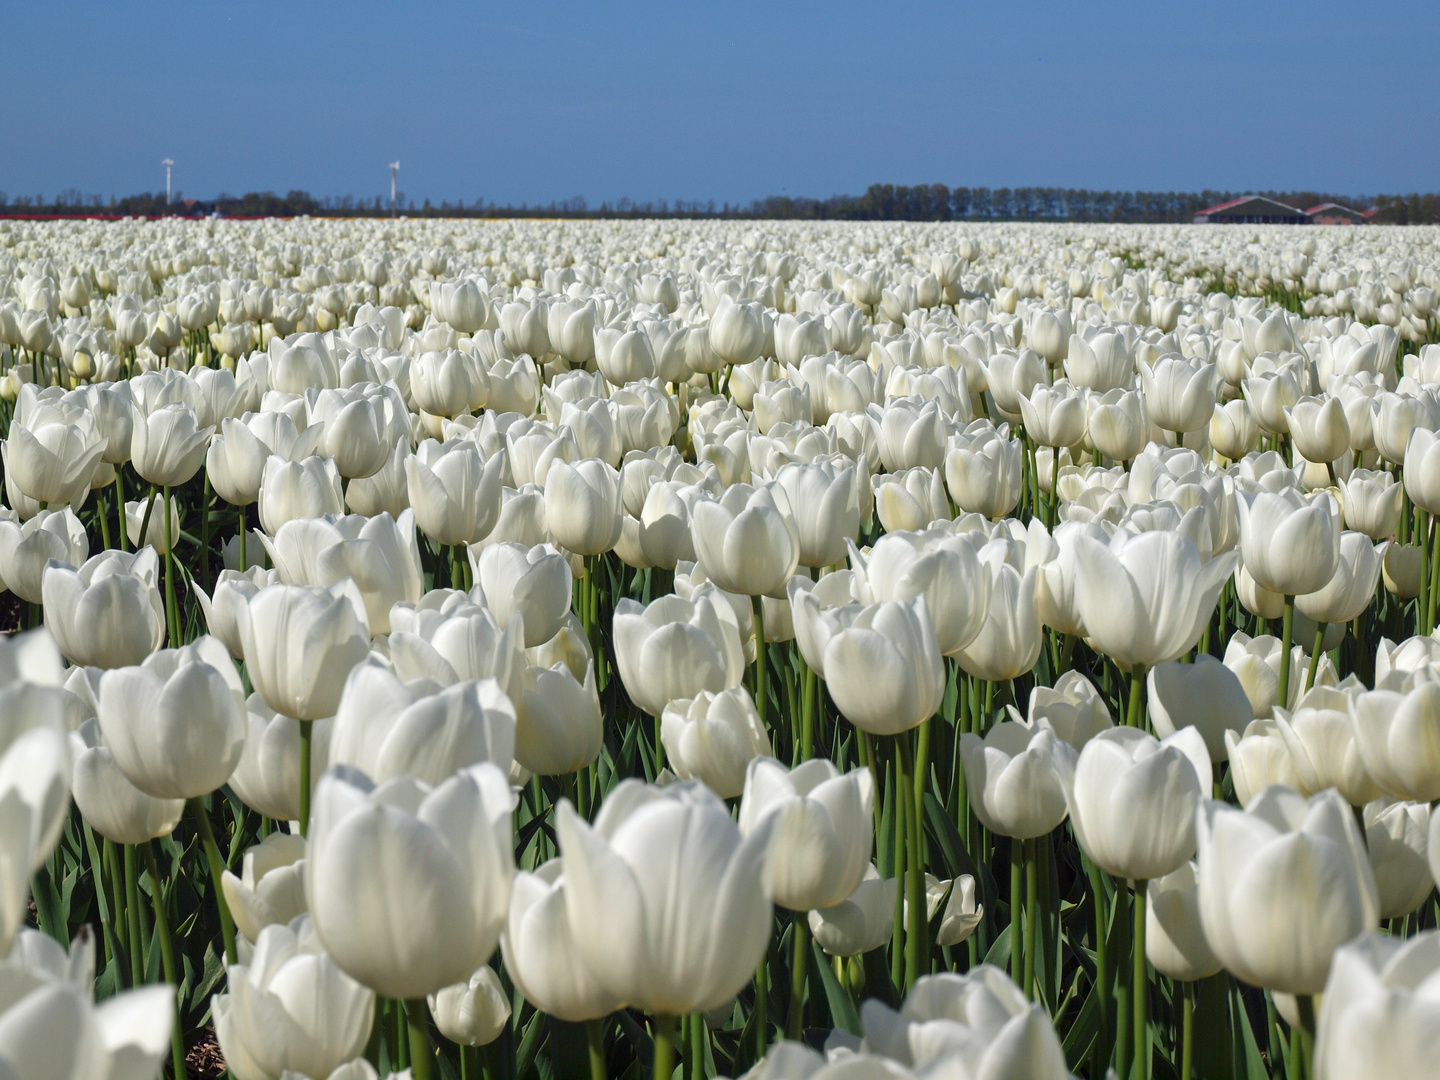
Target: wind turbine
(168, 162)
(394, 168)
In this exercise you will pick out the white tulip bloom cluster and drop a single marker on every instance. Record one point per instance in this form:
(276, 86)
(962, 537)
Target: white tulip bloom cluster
(806, 648)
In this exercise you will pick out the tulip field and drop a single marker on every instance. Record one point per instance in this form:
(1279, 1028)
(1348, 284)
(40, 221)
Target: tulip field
(687, 649)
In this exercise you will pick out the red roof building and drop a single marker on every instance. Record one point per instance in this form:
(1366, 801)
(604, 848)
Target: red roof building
(1334, 214)
(1252, 210)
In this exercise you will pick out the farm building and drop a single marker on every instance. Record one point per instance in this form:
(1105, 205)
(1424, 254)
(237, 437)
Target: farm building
(1252, 210)
(1334, 214)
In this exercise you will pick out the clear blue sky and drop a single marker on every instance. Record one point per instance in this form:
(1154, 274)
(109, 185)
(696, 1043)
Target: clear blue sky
(724, 101)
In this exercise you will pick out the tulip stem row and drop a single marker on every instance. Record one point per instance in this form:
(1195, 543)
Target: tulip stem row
(762, 695)
(1314, 656)
(1142, 988)
(196, 810)
(1032, 914)
(421, 1056)
(662, 1032)
(306, 736)
(132, 916)
(167, 956)
(1135, 708)
(1286, 635)
(1187, 1027)
(595, 1046)
(172, 611)
(799, 969)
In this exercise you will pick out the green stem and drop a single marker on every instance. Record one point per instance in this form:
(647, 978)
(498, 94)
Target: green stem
(1287, 628)
(914, 867)
(602, 666)
(305, 738)
(241, 511)
(98, 879)
(172, 615)
(197, 812)
(1102, 968)
(867, 758)
(1141, 989)
(898, 868)
(799, 969)
(1017, 926)
(809, 695)
(1305, 1005)
(1315, 655)
(961, 792)
(104, 518)
(1187, 1031)
(595, 1041)
(762, 696)
(919, 773)
(205, 534)
(1434, 595)
(120, 501)
(400, 1047)
(457, 572)
(421, 1056)
(115, 875)
(697, 1040)
(132, 915)
(167, 957)
(1123, 1021)
(1052, 509)
(663, 1032)
(1422, 540)
(145, 523)
(762, 1009)
(1135, 710)
(1032, 905)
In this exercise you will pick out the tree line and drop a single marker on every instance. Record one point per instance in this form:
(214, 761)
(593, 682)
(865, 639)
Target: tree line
(880, 202)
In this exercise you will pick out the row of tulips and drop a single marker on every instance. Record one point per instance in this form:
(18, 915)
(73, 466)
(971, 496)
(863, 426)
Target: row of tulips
(688, 655)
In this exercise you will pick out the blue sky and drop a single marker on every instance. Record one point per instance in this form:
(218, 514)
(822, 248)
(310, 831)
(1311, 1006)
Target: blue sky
(540, 102)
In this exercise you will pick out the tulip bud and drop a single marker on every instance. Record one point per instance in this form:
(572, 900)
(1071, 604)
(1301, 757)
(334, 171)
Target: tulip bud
(1205, 695)
(1013, 779)
(472, 1013)
(1174, 935)
(270, 890)
(446, 851)
(113, 806)
(174, 723)
(1263, 916)
(291, 981)
(860, 923)
(714, 737)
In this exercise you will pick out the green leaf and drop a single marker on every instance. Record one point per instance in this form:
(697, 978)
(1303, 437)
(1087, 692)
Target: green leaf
(533, 1039)
(567, 1049)
(639, 1040)
(842, 1008)
(1214, 1034)
(1254, 1064)
(207, 980)
(999, 953)
(885, 842)
(957, 856)
(1080, 1038)
(47, 906)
